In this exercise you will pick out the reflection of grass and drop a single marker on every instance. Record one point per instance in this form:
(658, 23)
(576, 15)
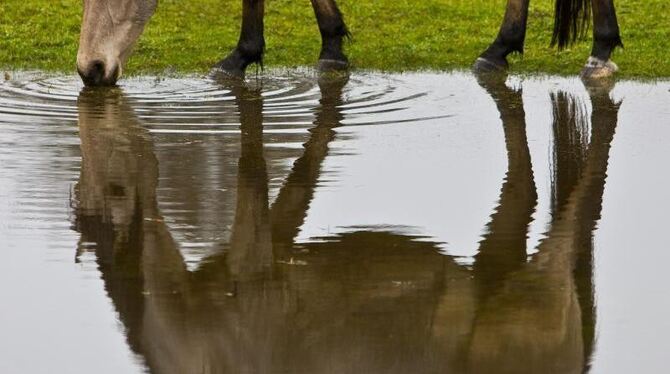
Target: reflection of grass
(394, 35)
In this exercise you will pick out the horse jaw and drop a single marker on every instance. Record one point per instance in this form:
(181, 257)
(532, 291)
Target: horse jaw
(108, 33)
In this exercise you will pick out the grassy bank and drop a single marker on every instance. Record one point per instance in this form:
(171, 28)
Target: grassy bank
(391, 35)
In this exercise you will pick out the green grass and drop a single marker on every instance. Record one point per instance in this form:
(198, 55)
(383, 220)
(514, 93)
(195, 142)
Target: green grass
(389, 35)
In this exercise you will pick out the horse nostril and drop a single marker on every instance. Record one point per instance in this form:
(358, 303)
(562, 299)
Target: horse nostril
(92, 74)
(95, 74)
(97, 68)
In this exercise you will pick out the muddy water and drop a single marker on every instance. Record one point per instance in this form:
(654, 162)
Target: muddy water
(420, 223)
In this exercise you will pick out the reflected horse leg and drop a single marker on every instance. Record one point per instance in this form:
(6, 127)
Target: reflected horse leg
(333, 32)
(502, 250)
(289, 210)
(606, 38)
(250, 251)
(251, 44)
(510, 38)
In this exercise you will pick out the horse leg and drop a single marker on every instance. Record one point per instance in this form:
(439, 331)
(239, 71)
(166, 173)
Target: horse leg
(510, 38)
(605, 39)
(251, 44)
(333, 31)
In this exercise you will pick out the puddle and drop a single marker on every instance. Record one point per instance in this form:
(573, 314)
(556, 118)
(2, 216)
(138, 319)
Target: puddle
(423, 223)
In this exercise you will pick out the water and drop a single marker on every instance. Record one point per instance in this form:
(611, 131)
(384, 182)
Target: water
(423, 223)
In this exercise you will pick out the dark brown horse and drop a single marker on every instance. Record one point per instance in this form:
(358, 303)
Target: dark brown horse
(109, 31)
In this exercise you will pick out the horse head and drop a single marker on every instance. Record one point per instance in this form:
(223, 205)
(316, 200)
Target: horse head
(109, 29)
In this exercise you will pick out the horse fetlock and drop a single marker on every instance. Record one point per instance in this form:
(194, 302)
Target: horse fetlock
(605, 44)
(596, 68)
(251, 51)
(608, 37)
(511, 39)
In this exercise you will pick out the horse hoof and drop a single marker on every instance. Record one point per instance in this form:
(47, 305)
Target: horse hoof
(596, 68)
(483, 65)
(230, 67)
(235, 64)
(328, 65)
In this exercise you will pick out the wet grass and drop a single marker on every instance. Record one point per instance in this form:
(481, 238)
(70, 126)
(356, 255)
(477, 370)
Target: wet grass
(390, 35)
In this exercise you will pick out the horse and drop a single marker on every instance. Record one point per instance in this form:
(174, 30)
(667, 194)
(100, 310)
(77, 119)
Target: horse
(109, 32)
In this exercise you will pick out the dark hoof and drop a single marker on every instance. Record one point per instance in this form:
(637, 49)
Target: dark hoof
(483, 65)
(235, 64)
(228, 67)
(328, 65)
(220, 73)
(597, 69)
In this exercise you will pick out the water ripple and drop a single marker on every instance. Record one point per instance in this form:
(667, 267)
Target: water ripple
(186, 104)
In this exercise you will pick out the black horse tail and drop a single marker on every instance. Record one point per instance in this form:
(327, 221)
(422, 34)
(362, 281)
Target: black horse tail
(571, 21)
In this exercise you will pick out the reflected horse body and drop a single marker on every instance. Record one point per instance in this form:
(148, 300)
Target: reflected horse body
(358, 302)
(108, 33)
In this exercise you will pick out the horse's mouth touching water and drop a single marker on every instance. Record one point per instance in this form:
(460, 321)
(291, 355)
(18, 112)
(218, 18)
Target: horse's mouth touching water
(109, 31)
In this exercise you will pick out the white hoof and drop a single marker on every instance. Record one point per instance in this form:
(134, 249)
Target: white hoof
(596, 68)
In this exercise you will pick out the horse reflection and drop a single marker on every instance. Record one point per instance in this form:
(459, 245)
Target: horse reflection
(357, 302)
(543, 312)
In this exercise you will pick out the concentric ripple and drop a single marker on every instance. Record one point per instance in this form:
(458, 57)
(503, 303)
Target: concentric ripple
(199, 105)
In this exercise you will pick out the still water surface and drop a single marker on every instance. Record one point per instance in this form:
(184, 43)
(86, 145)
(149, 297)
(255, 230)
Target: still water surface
(417, 223)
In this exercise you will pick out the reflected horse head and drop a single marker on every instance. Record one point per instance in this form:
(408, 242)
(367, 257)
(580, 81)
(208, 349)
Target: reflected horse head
(115, 184)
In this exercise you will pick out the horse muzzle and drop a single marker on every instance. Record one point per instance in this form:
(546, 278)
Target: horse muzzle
(98, 73)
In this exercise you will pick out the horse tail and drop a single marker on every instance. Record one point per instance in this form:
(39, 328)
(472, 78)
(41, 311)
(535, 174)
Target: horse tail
(571, 21)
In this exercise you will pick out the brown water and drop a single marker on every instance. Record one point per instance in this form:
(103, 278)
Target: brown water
(418, 223)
